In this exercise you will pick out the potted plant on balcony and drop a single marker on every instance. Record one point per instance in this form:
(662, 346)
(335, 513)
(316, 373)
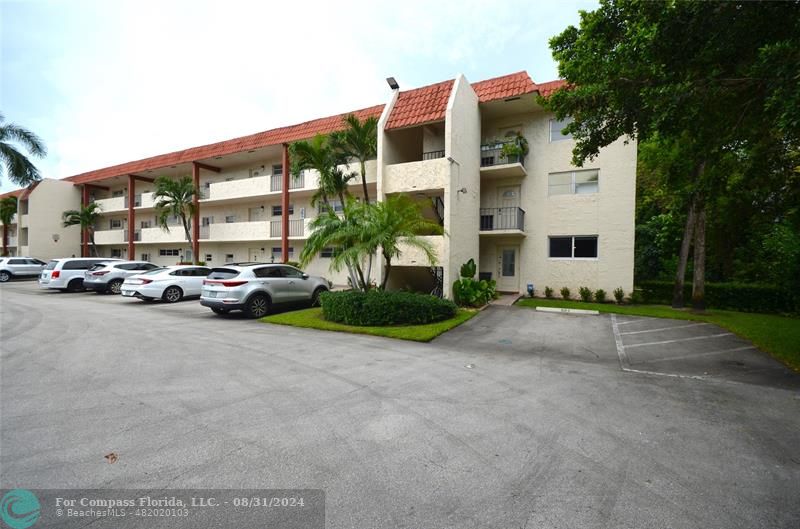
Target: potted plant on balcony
(515, 150)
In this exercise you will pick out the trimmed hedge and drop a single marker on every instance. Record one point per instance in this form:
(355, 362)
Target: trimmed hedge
(378, 307)
(744, 297)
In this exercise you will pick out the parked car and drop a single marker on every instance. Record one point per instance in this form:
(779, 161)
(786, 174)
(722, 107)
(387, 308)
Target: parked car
(254, 288)
(11, 267)
(172, 283)
(67, 274)
(108, 277)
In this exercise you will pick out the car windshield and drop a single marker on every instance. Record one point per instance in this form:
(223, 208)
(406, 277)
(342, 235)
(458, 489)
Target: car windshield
(223, 273)
(51, 265)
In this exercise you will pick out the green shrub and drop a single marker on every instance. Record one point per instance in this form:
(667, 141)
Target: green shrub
(600, 295)
(548, 292)
(585, 293)
(565, 293)
(378, 307)
(293, 263)
(619, 294)
(745, 297)
(469, 292)
(637, 298)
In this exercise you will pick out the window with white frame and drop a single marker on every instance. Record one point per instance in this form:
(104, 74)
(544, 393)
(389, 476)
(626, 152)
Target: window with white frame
(228, 257)
(208, 257)
(277, 254)
(335, 204)
(116, 252)
(145, 257)
(169, 252)
(229, 219)
(557, 127)
(326, 253)
(116, 224)
(574, 182)
(146, 224)
(573, 247)
(278, 210)
(277, 170)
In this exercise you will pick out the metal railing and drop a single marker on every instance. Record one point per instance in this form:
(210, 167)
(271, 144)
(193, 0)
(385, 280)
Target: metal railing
(205, 231)
(295, 182)
(493, 219)
(492, 154)
(137, 236)
(432, 155)
(296, 228)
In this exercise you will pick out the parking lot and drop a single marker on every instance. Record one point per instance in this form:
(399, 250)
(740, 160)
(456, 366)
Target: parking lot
(515, 419)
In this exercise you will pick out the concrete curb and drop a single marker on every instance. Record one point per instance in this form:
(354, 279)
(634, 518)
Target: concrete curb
(567, 311)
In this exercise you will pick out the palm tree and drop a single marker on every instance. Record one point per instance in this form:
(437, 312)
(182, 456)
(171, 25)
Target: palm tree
(318, 154)
(86, 218)
(358, 140)
(8, 208)
(19, 169)
(175, 198)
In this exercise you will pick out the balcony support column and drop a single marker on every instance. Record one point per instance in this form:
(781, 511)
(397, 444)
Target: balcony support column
(131, 217)
(196, 216)
(85, 232)
(285, 205)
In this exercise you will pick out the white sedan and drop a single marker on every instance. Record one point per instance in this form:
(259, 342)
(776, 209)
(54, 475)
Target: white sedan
(172, 283)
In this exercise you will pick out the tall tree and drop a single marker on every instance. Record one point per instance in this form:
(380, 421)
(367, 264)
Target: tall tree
(86, 217)
(358, 140)
(319, 154)
(8, 208)
(18, 167)
(716, 76)
(175, 199)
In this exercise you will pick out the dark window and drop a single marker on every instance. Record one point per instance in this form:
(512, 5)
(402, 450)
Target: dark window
(145, 266)
(51, 265)
(268, 271)
(78, 265)
(586, 247)
(16, 261)
(35, 262)
(289, 271)
(223, 273)
(200, 272)
(560, 246)
(326, 253)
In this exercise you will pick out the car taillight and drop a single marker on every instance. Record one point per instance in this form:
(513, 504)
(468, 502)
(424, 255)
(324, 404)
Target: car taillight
(223, 283)
(101, 273)
(146, 281)
(55, 274)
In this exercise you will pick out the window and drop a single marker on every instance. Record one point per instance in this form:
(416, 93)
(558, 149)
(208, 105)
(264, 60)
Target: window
(277, 170)
(145, 257)
(573, 247)
(116, 223)
(289, 271)
(335, 204)
(116, 252)
(119, 193)
(171, 252)
(277, 210)
(205, 221)
(574, 183)
(230, 219)
(228, 257)
(77, 265)
(268, 271)
(16, 261)
(223, 273)
(276, 253)
(208, 258)
(326, 253)
(556, 128)
(146, 224)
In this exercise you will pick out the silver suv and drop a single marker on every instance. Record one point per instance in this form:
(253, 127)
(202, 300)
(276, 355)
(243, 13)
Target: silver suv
(108, 277)
(255, 287)
(11, 267)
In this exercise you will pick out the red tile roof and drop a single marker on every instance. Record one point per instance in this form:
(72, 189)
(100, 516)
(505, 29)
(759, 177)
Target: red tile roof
(420, 105)
(545, 89)
(245, 143)
(15, 193)
(503, 87)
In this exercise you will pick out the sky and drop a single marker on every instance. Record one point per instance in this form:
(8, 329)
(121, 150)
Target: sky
(110, 81)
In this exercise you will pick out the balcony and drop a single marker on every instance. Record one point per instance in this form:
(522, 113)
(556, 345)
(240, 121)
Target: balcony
(112, 204)
(157, 235)
(137, 235)
(116, 236)
(237, 231)
(494, 164)
(502, 221)
(410, 256)
(143, 200)
(295, 182)
(297, 228)
(416, 176)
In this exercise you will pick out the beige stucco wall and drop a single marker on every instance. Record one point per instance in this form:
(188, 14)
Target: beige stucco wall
(416, 176)
(46, 203)
(462, 143)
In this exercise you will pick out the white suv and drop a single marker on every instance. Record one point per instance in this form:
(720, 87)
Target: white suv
(11, 267)
(254, 287)
(67, 274)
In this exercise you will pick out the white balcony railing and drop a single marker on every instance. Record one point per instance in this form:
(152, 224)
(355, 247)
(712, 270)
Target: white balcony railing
(416, 176)
(110, 236)
(238, 231)
(175, 234)
(241, 188)
(410, 256)
(112, 204)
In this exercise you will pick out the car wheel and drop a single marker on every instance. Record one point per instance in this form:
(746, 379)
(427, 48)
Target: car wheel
(76, 285)
(257, 306)
(315, 296)
(172, 294)
(115, 286)
(218, 310)
(4, 276)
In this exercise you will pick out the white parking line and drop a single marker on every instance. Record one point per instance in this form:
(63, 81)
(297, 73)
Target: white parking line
(664, 328)
(680, 340)
(626, 322)
(695, 355)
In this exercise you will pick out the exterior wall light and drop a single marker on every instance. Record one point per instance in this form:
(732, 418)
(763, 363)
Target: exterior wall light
(392, 83)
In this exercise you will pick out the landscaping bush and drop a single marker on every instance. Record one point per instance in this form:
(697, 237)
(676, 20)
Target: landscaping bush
(637, 298)
(469, 292)
(378, 307)
(565, 292)
(600, 295)
(548, 292)
(619, 294)
(585, 293)
(295, 264)
(735, 296)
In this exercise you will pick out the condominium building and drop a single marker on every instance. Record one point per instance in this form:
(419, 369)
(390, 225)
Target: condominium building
(533, 219)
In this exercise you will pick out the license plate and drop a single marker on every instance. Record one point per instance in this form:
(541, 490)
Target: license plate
(128, 293)
(212, 294)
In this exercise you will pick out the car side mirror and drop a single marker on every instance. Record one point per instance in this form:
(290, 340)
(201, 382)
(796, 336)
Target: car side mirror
(305, 276)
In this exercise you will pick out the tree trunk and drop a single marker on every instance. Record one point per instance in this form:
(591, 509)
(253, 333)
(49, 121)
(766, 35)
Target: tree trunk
(5, 239)
(364, 181)
(386, 271)
(680, 275)
(188, 232)
(699, 282)
(91, 240)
